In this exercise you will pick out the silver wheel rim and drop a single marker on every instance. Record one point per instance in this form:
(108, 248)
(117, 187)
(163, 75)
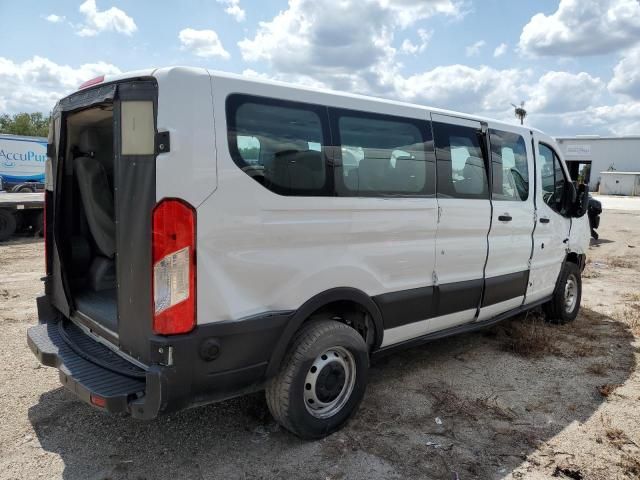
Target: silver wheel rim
(329, 382)
(570, 293)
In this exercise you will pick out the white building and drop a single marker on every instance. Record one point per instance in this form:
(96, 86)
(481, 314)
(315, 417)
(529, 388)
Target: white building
(590, 155)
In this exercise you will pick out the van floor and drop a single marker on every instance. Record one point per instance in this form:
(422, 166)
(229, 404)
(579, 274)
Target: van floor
(100, 306)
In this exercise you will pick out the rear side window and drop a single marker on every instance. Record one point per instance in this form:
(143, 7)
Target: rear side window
(280, 144)
(461, 169)
(509, 166)
(382, 155)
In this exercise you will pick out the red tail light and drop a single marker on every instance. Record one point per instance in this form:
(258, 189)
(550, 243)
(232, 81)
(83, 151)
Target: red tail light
(45, 216)
(93, 81)
(174, 267)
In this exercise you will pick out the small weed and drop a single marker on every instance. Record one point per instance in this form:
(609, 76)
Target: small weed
(449, 402)
(608, 388)
(597, 368)
(530, 337)
(620, 262)
(632, 297)
(584, 350)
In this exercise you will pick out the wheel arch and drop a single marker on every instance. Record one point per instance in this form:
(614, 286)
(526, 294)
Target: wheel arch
(316, 304)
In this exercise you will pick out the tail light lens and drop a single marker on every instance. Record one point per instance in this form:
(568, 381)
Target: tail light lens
(174, 267)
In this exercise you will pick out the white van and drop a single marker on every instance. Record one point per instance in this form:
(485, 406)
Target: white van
(210, 235)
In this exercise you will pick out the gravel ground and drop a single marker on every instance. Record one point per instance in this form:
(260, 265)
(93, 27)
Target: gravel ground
(522, 400)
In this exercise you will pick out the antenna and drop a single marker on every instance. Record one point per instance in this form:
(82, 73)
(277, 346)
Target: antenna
(520, 111)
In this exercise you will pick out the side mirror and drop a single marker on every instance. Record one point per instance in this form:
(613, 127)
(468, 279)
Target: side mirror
(581, 202)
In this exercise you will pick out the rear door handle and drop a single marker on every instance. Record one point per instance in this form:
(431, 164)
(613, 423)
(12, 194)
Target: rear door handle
(505, 218)
(544, 220)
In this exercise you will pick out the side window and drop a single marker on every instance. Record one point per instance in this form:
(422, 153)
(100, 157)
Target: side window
(509, 166)
(279, 144)
(461, 169)
(382, 155)
(553, 179)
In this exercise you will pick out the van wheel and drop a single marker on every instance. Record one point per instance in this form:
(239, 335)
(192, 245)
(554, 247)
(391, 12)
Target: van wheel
(8, 224)
(564, 305)
(321, 381)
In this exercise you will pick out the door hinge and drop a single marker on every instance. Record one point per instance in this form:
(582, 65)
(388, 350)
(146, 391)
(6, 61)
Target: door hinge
(163, 142)
(434, 277)
(439, 213)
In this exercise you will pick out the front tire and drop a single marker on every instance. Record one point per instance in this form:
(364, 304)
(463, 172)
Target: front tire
(565, 303)
(322, 379)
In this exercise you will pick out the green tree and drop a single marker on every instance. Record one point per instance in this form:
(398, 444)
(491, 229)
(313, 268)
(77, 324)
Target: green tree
(30, 124)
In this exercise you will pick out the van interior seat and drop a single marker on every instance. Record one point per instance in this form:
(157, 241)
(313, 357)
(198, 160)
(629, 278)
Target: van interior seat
(409, 174)
(96, 194)
(373, 172)
(298, 169)
(473, 182)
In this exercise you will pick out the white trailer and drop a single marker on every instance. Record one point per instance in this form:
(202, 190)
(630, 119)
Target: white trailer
(22, 161)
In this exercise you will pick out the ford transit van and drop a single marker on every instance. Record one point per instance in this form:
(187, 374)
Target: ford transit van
(209, 235)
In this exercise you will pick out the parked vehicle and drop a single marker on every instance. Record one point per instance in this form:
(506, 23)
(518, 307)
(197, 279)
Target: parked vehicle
(594, 210)
(22, 161)
(210, 235)
(21, 212)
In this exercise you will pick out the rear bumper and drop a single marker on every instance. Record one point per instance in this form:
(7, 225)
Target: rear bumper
(117, 393)
(212, 363)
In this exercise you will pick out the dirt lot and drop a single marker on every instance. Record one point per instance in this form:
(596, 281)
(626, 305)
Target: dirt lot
(523, 400)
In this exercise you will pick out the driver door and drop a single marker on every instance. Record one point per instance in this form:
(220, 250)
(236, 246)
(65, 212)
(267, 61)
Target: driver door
(551, 234)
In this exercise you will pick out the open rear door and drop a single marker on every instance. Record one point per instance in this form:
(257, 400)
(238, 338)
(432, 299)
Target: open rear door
(59, 179)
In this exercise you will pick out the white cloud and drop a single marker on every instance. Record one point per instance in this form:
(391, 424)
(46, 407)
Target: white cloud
(350, 45)
(203, 43)
(36, 84)
(234, 9)
(626, 75)
(111, 20)
(53, 18)
(411, 48)
(583, 27)
(561, 92)
(346, 44)
(474, 49)
(500, 50)
(459, 87)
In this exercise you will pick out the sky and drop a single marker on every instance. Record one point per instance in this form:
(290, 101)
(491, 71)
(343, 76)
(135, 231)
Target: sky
(575, 63)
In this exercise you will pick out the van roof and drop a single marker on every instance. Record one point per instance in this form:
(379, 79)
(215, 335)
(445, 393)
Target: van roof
(303, 88)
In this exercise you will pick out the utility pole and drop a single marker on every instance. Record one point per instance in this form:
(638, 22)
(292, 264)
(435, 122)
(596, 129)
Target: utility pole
(520, 112)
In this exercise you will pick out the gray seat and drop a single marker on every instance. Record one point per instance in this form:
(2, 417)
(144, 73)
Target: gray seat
(373, 173)
(474, 182)
(298, 170)
(96, 194)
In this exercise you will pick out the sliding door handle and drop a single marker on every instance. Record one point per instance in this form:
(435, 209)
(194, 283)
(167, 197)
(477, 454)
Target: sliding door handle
(505, 218)
(544, 220)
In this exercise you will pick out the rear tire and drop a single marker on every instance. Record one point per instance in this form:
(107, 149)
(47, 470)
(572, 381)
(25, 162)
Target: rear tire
(7, 224)
(565, 303)
(322, 379)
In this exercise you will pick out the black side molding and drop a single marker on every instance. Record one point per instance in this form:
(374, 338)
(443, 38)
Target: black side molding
(466, 328)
